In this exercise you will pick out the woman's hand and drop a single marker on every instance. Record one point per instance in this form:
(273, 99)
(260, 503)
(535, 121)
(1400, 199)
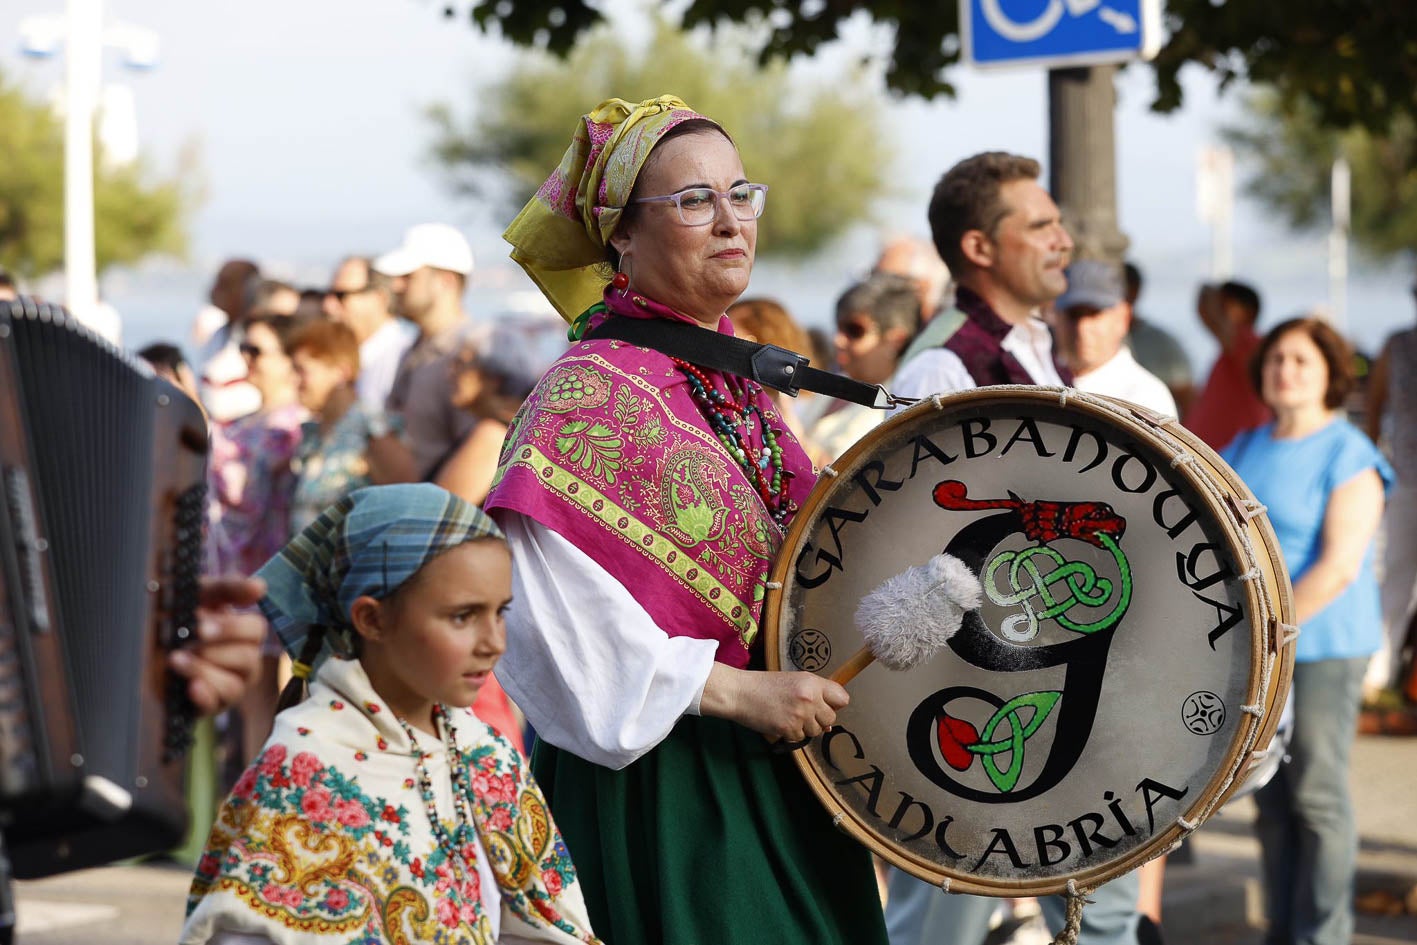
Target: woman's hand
(786, 706)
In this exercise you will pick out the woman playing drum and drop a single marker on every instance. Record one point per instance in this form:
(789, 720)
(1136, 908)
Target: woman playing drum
(644, 499)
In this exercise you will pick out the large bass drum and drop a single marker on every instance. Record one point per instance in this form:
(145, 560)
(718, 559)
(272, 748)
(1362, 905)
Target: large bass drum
(1121, 679)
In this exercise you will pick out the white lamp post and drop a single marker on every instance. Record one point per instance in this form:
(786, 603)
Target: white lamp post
(80, 31)
(83, 64)
(1215, 204)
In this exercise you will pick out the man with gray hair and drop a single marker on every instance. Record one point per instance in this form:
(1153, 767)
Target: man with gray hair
(875, 320)
(916, 259)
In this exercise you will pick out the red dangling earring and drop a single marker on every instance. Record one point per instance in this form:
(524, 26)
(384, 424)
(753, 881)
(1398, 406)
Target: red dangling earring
(621, 279)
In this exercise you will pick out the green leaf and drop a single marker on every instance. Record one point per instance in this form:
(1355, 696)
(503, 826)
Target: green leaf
(1291, 153)
(627, 407)
(823, 148)
(593, 447)
(1356, 63)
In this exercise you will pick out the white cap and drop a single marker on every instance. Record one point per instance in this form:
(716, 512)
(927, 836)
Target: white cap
(427, 244)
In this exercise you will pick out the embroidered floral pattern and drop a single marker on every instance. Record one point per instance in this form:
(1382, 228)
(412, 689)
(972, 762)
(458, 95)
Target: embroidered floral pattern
(689, 491)
(317, 851)
(575, 386)
(687, 508)
(593, 447)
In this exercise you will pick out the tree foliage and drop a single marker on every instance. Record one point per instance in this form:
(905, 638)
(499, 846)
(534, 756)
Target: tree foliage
(1293, 154)
(1355, 60)
(136, 214)
(822, 180)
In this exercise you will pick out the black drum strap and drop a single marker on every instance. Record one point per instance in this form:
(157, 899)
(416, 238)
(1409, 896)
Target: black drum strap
(769, 365)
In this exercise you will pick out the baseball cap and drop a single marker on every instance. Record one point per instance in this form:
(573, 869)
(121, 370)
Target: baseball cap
(428, 244)
(1092, 283)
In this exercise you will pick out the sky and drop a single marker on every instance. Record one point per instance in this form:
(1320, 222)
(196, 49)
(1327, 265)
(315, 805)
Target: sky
(307, 116)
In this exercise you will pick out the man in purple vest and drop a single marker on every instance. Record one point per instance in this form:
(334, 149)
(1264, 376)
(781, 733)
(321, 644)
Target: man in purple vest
(1002, 237)
(1003, 240)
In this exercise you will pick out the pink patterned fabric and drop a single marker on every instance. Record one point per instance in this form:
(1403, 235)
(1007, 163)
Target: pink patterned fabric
(252, 482)
(612, 452)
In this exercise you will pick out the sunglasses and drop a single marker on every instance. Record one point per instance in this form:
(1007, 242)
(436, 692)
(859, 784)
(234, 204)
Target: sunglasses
(342, 294)
(855, 331)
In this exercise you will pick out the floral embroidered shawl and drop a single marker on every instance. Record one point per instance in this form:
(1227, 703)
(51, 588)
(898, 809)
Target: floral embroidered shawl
(326, 839)
(612, 452)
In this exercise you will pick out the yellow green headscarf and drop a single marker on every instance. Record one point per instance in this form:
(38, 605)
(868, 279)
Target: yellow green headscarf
(559, 237)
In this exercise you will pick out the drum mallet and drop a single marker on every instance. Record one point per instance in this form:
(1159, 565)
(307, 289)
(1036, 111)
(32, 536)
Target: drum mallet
(911, 615)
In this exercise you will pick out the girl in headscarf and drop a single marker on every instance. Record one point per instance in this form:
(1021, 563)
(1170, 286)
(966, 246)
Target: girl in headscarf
(381, 810)
(644, 499)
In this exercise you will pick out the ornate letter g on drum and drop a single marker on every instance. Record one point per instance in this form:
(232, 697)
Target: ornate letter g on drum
(1127, 664)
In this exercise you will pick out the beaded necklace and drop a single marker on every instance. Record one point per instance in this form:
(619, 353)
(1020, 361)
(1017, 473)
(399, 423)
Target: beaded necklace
(459, 847)
(733, 417)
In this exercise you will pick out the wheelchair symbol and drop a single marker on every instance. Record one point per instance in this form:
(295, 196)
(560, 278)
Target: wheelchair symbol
(1044, 22)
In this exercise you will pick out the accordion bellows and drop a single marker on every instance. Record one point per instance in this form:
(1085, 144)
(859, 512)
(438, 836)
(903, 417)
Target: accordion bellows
(103, 469)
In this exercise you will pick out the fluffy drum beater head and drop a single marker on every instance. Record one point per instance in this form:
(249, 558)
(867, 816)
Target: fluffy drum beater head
(911, 615)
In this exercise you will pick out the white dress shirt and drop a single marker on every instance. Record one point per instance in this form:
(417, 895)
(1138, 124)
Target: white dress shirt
(1122, 377)
(940, 371)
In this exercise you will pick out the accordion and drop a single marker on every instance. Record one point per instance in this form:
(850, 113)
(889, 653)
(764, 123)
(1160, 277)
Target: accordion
(104, 470)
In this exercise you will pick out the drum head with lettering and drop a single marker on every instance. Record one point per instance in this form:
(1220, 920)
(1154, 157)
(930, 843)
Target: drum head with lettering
(1109, 689)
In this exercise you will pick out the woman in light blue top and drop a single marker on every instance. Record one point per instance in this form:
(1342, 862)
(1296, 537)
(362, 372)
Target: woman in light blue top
(1323, 483)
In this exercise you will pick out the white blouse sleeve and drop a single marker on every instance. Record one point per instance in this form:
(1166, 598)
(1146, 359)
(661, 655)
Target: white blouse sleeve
(591, 669)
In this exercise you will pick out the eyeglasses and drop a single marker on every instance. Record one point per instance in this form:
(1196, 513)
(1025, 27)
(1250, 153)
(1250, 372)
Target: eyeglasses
(698, 206)
(249, 351)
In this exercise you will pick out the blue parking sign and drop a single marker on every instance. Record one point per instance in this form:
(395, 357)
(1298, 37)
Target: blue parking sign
(1059, 32)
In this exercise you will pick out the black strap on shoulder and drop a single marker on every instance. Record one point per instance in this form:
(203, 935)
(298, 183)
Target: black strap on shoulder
(769, 365)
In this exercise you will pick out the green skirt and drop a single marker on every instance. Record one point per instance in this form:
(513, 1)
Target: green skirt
(709, 839)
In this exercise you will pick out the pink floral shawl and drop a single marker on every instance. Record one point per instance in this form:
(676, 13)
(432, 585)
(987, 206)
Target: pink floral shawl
(612, 452)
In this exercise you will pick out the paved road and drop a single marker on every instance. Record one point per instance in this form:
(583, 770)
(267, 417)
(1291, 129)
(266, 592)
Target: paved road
(1214, 900)
(1217, 899)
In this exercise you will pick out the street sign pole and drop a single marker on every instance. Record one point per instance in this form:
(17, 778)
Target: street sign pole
(1078, 41)
(1082, 159)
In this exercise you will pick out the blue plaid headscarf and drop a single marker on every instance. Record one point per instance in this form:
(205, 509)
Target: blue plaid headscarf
(367, 543)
